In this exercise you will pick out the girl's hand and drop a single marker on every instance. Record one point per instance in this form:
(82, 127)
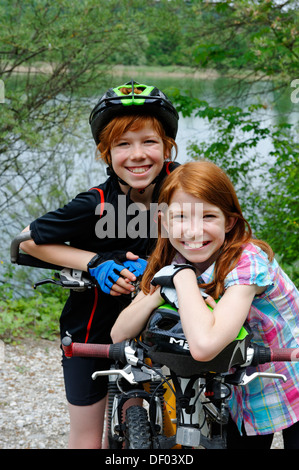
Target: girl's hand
(134, 267)
(155, 292)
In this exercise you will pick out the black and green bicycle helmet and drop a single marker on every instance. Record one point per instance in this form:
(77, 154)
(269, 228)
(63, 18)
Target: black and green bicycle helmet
(150, 101)
(165, 338)
(164, 331)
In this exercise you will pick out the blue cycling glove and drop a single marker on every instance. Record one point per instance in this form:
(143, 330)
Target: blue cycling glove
(107, 272)
(136, 267)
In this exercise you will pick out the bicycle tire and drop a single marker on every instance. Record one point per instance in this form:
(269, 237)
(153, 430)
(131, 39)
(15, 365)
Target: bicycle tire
(138, 435)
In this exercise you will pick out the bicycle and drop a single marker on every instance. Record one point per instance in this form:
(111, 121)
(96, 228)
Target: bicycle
(186, 400)
(200, 389)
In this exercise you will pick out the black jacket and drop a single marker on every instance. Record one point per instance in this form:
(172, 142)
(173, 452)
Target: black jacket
(99, 220)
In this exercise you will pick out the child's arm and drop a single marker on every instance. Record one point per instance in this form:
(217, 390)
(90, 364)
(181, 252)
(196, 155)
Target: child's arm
(209, 332)
(74, 258)
(133, 319)
(59, 254)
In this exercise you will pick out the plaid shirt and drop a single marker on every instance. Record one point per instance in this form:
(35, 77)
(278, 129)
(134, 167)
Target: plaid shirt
(267, 405)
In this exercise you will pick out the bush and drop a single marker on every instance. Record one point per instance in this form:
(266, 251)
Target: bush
(31, 316)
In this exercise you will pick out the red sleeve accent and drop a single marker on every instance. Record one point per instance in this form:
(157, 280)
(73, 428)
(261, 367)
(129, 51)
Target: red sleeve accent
(167, 168)
(102, 199)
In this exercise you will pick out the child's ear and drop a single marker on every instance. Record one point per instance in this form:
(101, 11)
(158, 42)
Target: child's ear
(167, 153)
(230, 222)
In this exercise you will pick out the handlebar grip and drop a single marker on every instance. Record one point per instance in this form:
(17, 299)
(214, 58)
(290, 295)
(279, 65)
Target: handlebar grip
(284, 354)
(85, 350)
(263, 355)
(105, 351)
(27, 260)
(14, 246)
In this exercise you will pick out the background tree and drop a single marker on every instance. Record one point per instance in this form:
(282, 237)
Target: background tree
(53, 54)
(251, 39)
(56, 58)
(54, 63)
(252, 42)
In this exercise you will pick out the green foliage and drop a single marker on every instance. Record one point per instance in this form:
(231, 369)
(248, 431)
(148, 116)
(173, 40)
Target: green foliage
(268, 192)
(292, 271)
(280, 206)
(52, 54)
(24, 312)
(36, 315)
(257, 38)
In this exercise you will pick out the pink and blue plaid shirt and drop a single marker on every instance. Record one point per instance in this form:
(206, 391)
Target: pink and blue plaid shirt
(267, 405)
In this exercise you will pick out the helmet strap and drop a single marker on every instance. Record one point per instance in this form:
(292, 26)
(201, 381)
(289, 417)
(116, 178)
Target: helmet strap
(111, 172)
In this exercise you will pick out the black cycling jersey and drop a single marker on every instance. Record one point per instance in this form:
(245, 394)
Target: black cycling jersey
(89, 315)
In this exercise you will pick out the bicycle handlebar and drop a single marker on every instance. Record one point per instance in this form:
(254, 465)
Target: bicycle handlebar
(27, 260)
(261, 354)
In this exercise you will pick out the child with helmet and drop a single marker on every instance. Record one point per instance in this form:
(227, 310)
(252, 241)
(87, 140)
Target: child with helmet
(134, 127)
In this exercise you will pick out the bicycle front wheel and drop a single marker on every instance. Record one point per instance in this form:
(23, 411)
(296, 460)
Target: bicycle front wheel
(138, 435)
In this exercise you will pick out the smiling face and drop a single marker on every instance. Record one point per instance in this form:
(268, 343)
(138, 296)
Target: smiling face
(138, 156)
(196, 228)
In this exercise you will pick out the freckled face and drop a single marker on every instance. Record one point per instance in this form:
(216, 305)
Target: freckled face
(138, 156)
(195, 228)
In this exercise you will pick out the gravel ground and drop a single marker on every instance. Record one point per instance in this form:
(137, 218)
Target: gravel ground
(33, 409)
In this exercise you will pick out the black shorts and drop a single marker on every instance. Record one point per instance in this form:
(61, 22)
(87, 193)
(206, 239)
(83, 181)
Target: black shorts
(81, 389)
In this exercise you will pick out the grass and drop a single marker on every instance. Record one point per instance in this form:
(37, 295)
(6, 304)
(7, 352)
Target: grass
(36, 316)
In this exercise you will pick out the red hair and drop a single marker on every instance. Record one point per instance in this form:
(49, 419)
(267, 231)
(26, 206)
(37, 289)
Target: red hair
(205, 180)
(121, 124)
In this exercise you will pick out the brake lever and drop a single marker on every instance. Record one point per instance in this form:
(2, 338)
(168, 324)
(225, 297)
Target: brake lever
(69, 279)
(126, 373)
(72, 278)
(46, 281)
(240, 377)
(246, 379)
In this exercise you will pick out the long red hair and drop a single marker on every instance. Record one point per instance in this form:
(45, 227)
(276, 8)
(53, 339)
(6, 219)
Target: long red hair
(205, 180)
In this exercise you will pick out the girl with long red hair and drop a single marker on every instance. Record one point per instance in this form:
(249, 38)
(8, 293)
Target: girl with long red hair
(206, 248)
